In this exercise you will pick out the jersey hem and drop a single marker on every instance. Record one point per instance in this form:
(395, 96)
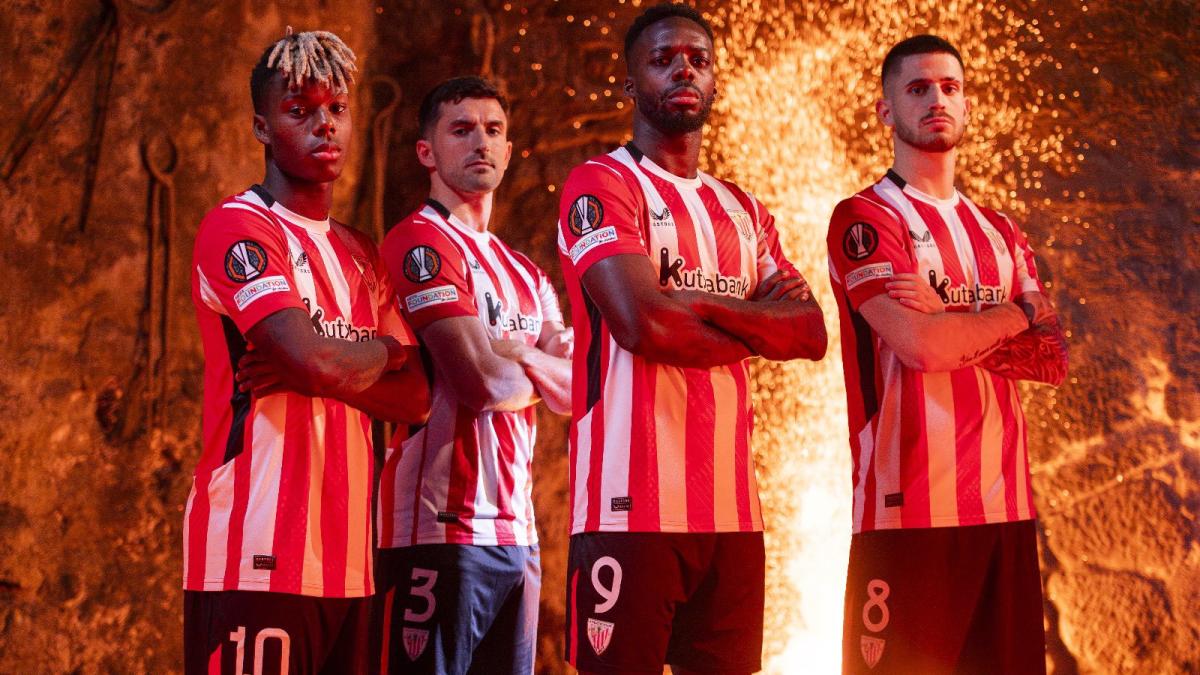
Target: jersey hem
(442, 539)
(680, 528)
(946, 521)
(307, 590)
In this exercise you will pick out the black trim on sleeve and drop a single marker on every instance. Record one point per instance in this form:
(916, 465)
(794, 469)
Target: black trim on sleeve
(239, 401)
(594, 350)
(864, 347)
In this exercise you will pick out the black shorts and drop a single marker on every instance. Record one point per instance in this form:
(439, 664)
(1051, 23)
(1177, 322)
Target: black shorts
(452, 609)
(944, 600)
(638, 600)
(238, 632)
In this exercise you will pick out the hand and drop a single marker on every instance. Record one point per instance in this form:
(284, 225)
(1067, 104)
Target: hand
(1037, 307)
(513, 350)
(561, 344)
(783, 285)
(914, 292)
(255, 374)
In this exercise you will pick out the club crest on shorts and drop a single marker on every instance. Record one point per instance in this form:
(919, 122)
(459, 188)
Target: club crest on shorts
(872, 649)
(421, 264)
(860, 241)
(585, 215)
(415, 640)
(599, 634)
(245, 260)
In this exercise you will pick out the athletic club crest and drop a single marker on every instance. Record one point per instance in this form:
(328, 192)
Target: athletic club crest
(421, 264)
(872, 649)
(599, 634)
(585, 215)
(415, 640)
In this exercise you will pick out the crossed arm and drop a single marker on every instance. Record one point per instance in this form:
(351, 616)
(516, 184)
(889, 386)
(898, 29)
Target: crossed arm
(1017, 340)
(379, 377)
(699, 330)
(547, 365)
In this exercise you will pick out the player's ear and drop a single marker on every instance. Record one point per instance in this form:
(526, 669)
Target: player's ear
(628, 87)
(425, 153)
(261, 129)
(883, 110)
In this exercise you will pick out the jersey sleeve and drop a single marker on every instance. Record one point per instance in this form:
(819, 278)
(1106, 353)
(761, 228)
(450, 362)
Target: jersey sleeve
(391, 321)
(1023, 259)
(428, 273)
(598, 217)
(867, 246)
(548, 298)
(771, 257)
(243, 266)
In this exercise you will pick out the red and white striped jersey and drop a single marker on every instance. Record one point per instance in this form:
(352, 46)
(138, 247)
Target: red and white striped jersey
(281, 499)
(933, 449)
(464, 477)
(658, 448)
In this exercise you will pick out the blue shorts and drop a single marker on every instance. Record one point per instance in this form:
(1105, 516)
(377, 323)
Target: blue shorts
(456, 609)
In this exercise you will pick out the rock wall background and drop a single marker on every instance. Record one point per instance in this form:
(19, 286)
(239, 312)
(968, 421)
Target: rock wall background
(99, 399)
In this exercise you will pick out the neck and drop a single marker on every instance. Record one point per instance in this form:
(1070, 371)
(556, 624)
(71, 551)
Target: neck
(678, 154)
(472, 208)
(929, 172)
(311, 200)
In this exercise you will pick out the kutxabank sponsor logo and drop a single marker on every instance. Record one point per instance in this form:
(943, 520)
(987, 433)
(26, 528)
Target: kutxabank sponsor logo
(696, 279)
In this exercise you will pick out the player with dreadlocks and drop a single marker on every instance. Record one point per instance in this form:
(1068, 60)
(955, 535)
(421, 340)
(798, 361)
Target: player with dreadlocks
(303, 343)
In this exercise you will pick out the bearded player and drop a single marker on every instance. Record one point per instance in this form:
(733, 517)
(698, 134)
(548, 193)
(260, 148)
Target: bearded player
(303, 342)
(459, 567)
(676, 279)
(942, 313)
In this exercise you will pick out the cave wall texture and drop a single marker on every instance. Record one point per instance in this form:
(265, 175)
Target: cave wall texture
(128, 119)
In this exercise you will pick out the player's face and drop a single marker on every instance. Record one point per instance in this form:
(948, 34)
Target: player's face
(468, 147)
(924, 103)
(306, 130)
(671, 76)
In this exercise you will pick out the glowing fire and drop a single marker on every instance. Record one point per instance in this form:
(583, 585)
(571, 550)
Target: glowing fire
(796, 125)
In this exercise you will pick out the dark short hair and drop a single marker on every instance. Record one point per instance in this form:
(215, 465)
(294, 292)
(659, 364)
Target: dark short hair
(260, 77)
(917, 44)
(656, 13)
(454, 91)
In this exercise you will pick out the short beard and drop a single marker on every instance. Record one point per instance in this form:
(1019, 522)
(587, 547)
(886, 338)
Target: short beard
(933, 144)
(674, 123)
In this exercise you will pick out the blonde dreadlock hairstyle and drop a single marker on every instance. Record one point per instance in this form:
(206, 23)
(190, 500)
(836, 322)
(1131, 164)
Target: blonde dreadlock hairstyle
(298, 57)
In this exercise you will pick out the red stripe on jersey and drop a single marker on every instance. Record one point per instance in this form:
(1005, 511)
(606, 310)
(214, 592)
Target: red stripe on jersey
(506, 480)
(416, 497)
(291, 516)
(698, 464)
(237, 516)
(643, 450)
(1008, 444)
(464, 477)
(197, 531)
(968, 443)
(914, 455)
(945, 241)
(741, 452)
(985, 259)
(387, 497)
(728, 242)
(335, 481)
(596, 457)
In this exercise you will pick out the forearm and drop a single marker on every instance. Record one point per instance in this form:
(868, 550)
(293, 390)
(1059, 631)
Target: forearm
(498, 385)
(779, 330)
(681, 338)
(953, 340)
(400, 396)
(551, 376)
(1038, 354)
